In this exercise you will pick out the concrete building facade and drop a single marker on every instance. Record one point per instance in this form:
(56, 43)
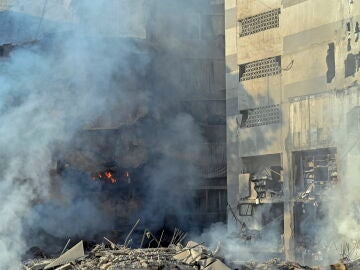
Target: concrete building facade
(292, 70)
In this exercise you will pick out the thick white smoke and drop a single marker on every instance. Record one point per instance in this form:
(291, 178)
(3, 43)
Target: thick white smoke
(341, 225)
(50, 91)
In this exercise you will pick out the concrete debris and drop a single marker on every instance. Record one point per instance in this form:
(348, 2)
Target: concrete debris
(217, 265)
(200, 256)
(64, 267)
(194, 256)
(72, 254)
(105, 258)
(40, 265)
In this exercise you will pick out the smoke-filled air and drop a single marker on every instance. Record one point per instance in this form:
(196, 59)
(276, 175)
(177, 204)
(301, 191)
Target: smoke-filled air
(74, 69)
(179, 134)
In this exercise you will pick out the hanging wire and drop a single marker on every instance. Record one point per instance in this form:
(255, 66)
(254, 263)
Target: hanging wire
(41, 19)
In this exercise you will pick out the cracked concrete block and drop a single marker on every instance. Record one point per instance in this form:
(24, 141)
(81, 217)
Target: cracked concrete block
(182, 255)
(195, 254)
(72, 254)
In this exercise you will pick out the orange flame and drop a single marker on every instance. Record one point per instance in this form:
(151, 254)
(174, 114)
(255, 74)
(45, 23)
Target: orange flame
(109, 176)
(106, 176)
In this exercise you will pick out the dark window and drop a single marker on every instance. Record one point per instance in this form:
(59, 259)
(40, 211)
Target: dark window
(350, 65)
(348, 26)
(330, 62)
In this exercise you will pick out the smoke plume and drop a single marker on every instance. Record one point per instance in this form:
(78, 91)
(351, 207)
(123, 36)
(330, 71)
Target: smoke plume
(51, 90)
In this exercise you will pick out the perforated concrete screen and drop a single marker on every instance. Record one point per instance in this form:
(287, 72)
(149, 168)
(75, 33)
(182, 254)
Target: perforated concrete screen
(260, 116)
(261, 68)
(259, 22)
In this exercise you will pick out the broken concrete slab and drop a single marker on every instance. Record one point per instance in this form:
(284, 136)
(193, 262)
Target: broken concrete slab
(189, 260)
(183, 255)
(72, 254)
(40, 265)
(217, 265)
(195, 254)
(206, 262)
(193, 244)
(65, 267)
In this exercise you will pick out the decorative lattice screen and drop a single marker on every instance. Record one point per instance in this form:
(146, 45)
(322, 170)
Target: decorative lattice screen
(260, 116)
(259, 22)
(261, 68)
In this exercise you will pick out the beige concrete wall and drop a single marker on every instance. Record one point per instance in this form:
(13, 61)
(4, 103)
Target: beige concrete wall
(259, 45)
(260, 92)
(262, 140)
(248, 8)
(307, 73)
(307, 28)
(317, 121)
(310, 14)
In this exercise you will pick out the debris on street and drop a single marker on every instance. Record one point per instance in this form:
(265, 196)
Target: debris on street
(115, 257)
(193, 255)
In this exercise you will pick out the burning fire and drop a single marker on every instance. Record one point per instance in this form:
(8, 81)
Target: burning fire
(107, 175)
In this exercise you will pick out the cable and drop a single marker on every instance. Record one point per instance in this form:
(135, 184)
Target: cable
(41, 19)
(289, 66)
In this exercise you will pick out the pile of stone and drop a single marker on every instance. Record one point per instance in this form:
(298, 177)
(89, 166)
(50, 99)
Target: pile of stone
(200, 257)
(192, 256)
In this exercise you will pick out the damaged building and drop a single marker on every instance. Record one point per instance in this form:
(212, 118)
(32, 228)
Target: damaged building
(292, 98)
(181, 67)
(231, 111)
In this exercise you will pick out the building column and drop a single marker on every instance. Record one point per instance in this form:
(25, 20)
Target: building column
(288, 184)
(232, 85)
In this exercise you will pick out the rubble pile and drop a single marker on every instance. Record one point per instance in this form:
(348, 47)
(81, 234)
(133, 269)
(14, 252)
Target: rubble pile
(105, 258)
(200, 257)
(194, 256)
